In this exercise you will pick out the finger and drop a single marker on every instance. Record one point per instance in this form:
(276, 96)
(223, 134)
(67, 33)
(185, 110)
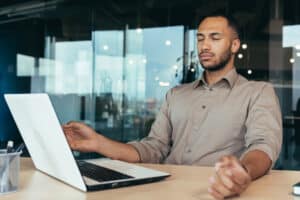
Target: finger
(69, 138)
(68, 124)
(235, 170)
(225, 161)
(214, 193)
(219, 165)
(225, 171)
(74, 127)
(217, 185)
(240, 175)
(71, 124)
(71, 143)
(228, 182)
(67, 130)
(226, 179)
(73, 135)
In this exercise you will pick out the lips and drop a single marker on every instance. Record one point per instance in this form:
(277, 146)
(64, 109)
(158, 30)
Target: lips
(206, 56)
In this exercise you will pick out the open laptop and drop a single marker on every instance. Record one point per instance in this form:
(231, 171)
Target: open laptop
(50, 152)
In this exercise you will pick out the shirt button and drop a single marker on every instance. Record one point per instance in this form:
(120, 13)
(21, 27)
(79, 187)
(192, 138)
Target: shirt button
(210, 89)
(203, 106)
(189, 151)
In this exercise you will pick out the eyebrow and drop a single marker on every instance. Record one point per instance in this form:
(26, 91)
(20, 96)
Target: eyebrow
(210, 34)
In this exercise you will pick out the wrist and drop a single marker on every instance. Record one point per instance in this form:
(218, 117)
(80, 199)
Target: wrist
(99, 144)
(247, 169)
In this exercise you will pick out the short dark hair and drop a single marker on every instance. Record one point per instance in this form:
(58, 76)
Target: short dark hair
(232, 22)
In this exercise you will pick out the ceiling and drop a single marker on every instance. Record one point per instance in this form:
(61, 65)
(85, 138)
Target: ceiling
(254, 16)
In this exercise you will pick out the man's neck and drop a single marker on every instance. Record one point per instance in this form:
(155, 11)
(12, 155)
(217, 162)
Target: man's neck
(212, 77)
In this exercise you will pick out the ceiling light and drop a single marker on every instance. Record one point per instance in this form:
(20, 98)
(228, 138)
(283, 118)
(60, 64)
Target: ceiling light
(292, 60)
(105, 47)
(244, 46)
(168, 42)
(164, 84)
(139, 30)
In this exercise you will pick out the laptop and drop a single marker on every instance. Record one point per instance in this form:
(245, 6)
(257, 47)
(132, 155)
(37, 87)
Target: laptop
(43, 135)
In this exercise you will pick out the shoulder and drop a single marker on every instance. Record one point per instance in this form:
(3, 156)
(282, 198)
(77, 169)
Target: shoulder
(254, 90)
(183, 88)
(255, 87)
(261, 86)
(262, 93)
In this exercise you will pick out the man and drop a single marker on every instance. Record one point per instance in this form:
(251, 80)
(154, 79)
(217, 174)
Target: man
(221, 119)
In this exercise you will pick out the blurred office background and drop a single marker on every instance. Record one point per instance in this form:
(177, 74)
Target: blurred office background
(109, 63)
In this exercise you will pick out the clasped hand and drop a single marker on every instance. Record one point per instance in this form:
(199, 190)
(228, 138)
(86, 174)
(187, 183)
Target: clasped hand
(230, 178)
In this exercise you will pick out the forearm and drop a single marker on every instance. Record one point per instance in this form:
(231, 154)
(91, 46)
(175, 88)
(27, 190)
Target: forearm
(257, 163)
(116, 150)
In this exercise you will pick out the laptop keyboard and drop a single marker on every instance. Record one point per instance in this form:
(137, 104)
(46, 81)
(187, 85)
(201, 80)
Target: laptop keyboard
(99, 173)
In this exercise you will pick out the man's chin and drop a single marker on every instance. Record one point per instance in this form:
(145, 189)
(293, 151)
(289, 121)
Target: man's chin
(210, 68)
(213, 68)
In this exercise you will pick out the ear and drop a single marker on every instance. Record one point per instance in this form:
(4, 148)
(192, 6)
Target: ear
(235, 46)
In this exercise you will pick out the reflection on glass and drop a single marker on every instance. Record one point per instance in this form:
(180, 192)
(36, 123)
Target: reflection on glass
(47, 67)
(25, 65)
(73, 68)
(108, 86)
(290, 37)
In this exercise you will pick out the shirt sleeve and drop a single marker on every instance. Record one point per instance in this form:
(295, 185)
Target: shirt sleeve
(264, 123)
(156, 146)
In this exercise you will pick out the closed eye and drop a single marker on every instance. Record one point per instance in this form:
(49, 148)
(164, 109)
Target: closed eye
(216, 36)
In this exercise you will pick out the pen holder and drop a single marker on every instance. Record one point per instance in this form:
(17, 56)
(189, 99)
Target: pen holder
(9, 171)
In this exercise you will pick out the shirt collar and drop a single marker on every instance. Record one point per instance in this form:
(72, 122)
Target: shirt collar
(231, 77)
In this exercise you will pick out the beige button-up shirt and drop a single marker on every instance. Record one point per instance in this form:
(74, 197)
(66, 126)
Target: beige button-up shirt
(197, 124)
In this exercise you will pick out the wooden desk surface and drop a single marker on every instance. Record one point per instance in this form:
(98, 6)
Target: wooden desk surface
(186, 183)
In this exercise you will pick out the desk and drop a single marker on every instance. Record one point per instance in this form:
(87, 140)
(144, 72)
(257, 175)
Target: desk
(186, 183)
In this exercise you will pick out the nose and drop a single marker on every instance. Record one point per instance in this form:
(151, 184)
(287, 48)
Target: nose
(204, 45)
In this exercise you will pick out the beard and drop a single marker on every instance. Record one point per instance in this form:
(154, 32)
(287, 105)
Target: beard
(225, 58)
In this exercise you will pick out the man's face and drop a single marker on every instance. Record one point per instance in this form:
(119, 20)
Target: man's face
(216, 43)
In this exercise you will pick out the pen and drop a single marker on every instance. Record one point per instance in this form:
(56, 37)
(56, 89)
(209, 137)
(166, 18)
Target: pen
(20, 147)
(10, 146)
